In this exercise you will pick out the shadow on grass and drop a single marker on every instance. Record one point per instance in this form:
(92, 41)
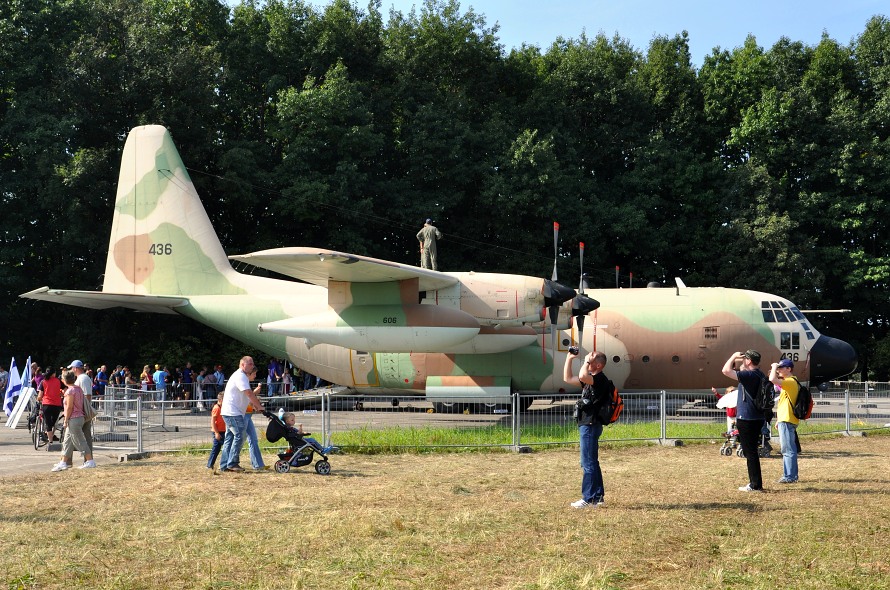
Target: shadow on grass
(702, 506)
(831, 455)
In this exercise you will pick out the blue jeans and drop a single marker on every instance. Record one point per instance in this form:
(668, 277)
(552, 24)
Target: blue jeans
(253, 444)
(788, 440)
(236, 428)
(592, 489)
(214, 450)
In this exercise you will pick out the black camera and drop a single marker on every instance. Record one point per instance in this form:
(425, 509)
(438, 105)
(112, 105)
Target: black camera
(574, 349)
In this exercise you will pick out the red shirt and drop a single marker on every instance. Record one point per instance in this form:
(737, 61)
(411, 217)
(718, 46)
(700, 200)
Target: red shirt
(52, 391)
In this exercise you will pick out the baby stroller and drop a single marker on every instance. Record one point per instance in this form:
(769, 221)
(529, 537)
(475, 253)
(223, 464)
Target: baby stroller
(764, 448)
(731, 443)
(299, 453)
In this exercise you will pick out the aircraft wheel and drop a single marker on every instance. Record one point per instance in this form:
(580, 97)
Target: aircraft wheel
(358, 407)
(282, 466)
(322, 467)
(449, 407)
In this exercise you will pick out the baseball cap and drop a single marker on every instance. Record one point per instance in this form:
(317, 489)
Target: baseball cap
(753, 355)
(75, 365)
(785, 364)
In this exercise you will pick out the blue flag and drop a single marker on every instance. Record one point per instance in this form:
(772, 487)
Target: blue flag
(13, 388)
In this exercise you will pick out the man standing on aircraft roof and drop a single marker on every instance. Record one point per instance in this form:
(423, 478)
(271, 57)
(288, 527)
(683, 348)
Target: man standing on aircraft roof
(427, 236)
(749, 419)
(781, 373)
(596, 386)
(234, 409)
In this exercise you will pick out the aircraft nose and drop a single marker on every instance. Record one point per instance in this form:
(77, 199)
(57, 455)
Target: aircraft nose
(831, 358)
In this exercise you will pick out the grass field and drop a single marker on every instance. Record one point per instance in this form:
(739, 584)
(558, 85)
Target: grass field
(673, 519)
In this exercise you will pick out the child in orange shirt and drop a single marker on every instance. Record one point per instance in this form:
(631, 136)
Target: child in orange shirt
(218, 426)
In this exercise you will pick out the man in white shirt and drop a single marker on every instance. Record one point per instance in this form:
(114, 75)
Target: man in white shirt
(234, 410)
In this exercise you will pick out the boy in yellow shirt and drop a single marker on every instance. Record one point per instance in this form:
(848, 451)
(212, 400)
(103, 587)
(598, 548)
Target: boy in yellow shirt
(781, 374)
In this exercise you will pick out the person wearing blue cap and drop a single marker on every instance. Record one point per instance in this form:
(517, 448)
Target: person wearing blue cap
(428, 236)
(781, 374)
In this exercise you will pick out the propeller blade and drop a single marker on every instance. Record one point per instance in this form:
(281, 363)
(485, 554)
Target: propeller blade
(579, 321)
(581, 285)
(555, 250)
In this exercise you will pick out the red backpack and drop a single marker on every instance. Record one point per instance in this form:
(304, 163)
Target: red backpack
(610, 409)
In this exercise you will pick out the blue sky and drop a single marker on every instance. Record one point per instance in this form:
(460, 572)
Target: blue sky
(709, 22)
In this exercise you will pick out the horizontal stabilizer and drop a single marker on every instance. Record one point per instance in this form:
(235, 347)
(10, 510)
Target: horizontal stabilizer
(320, 266)
(102, 300)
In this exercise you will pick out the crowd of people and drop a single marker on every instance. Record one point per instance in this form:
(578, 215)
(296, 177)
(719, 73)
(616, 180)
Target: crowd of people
(748, 418)
(183, 383)
(70, 391)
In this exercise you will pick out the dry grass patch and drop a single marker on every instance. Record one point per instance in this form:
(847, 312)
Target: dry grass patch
(673, 519)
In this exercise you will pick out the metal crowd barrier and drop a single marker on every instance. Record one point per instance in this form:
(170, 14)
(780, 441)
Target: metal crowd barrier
(133, 420)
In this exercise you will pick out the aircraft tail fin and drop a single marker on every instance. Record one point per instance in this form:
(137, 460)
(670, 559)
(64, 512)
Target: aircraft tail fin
(162, 241)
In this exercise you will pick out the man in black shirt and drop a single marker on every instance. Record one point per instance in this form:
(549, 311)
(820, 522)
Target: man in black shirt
(596, 387)
(749, 419)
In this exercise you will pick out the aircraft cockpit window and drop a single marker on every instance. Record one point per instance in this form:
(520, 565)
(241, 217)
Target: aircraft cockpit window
(789, 341)
(777, 311)
(807, 331)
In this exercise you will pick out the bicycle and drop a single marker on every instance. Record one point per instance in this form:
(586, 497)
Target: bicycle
(38, 430)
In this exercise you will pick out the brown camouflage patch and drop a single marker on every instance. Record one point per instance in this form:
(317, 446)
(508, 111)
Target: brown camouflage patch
(132, 258)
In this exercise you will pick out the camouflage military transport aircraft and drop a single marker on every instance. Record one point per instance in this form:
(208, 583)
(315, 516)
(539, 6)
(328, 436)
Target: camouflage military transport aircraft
(381, 327)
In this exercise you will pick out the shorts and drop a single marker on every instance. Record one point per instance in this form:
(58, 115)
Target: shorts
(51, 415)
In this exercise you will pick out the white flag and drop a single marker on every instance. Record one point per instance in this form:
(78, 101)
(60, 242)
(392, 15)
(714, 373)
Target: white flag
(26, 375)
(13, 388)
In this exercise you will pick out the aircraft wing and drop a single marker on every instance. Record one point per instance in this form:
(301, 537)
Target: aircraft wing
(320, 266)
(102, 300)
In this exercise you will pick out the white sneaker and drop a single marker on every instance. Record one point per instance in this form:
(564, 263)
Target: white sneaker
(60, 466)
(748, 488)
(585, 504)
(88, 464)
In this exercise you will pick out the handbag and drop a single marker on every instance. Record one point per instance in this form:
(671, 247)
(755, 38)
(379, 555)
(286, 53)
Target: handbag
(89, 412)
